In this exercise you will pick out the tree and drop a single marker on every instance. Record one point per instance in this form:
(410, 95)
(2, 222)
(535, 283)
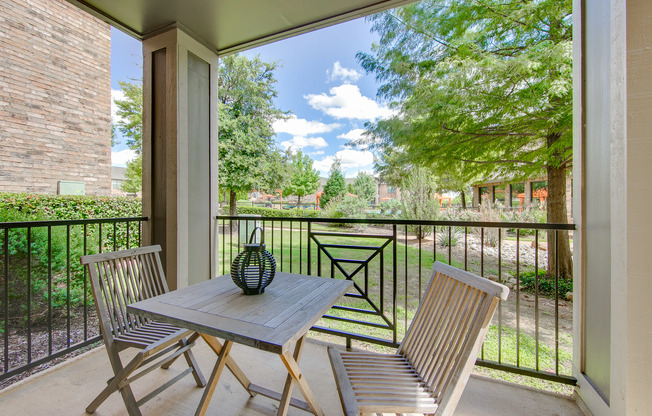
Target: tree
(134, 174)
(130, 124)
(364, 187)
(335, 185)
(114, 140)
(418, 200)
(246, 113)
(304, 179)
(483, 87)
(279, 171)
(130, 113)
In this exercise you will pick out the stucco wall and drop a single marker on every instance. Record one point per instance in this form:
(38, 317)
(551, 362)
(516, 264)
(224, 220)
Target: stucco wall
(55, 97)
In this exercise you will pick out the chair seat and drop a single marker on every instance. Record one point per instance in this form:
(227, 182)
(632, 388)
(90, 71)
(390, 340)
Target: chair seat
(380, 383)
(150, 335)
(428, 372)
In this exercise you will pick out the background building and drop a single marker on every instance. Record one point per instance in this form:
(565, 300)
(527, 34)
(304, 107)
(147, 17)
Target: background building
(55, 99)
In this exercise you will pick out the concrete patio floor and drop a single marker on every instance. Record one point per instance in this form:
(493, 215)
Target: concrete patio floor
(68, 388)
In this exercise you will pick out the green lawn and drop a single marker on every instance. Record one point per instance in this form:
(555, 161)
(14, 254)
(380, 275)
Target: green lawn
(413, 271)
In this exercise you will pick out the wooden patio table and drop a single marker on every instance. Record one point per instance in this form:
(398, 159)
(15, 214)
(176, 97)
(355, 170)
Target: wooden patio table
(272, 322)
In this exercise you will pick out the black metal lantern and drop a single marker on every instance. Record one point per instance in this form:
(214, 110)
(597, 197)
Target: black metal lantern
(254, 268)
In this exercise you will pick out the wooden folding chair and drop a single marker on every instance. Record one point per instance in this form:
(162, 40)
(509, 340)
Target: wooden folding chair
(429, 371)
(121, 278)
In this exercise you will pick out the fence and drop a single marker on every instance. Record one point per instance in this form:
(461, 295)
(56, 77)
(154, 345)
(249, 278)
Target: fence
(46, 306)
(389, 262)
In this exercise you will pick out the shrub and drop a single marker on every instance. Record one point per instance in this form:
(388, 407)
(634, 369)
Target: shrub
(391, 209)
(418, 201)
(35, 207)
(490, 213)
(352, 207)
(456, 233)
(274, 212)
(546, 284)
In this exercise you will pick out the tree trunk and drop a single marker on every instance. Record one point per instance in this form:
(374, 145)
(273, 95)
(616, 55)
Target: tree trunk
(558, 214)
(299, 201)
(233, 209)
(463, 198)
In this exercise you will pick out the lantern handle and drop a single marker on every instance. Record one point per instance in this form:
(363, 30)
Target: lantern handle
(253, 234)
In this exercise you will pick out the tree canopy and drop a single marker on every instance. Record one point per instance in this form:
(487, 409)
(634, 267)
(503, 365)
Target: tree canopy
(304, 180)
(364, 187)
(134, 175)
(130, 111)
(335, 185)
(485, 83)
(246, 113)
(483, 88)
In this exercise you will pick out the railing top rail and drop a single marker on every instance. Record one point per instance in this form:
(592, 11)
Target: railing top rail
(56, 223)
(471, 224)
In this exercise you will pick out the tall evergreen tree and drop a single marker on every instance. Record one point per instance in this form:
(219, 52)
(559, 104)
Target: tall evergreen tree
(335, 186)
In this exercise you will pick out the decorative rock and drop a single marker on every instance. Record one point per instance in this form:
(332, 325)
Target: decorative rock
(569, 295)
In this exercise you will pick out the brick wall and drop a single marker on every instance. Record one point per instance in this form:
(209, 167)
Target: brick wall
(55, 97)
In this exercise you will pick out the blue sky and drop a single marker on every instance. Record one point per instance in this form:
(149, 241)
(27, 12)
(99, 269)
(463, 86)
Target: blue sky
(320, 83)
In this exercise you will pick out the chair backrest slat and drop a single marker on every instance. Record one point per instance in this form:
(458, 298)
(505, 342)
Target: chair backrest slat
(129, 283)
(121, 278)
(448, 328)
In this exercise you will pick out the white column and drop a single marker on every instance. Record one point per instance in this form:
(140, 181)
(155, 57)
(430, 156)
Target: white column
(180, 154)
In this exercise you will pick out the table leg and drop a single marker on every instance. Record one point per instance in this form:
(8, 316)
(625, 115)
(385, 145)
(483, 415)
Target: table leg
(230, 363)
(215, 376)
(295, 374)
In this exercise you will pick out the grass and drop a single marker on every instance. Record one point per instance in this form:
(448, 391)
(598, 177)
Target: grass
(413, 270)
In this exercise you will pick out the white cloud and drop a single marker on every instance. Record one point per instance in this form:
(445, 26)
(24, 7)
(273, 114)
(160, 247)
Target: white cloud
(346, 101)
(122, 157)
(299, 142)
(352, 162)
(324, 165)
(115, 95)
(339, 73)
(351, 158)
(317, 153)
(354, 134)
(302, 127)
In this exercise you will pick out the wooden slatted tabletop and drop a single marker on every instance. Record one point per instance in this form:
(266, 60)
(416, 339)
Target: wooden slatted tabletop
(291, 304)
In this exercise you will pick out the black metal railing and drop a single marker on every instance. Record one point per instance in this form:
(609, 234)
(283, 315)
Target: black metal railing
(46, 306)
(389, 262)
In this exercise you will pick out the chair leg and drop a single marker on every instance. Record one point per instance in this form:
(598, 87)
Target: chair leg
(190, 359)
(190, 340)
(196, 372)
(126, 392)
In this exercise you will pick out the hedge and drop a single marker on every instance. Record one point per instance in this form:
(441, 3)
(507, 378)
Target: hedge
(25, 207)
(49, 249)
(273, 212)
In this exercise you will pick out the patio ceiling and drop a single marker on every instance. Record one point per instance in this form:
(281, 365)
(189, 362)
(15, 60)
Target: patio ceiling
(228, 26)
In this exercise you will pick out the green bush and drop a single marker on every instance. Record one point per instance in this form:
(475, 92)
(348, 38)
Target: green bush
(69, 207)
(349, 207)
(273, 212)
(36, 256)
(546, 284)
(391, 209)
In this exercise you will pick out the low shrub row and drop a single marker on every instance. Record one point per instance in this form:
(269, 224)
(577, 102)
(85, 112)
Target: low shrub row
(273, 212)
(45, 261)
(36, 207)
